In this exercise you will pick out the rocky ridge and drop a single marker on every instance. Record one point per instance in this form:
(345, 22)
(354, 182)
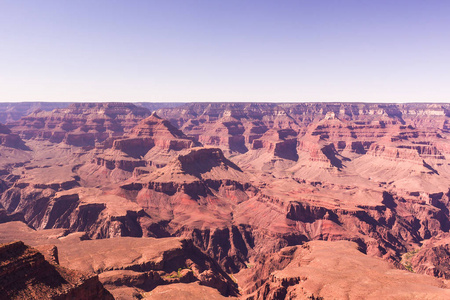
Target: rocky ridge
(151, 143)
(25, 274)
(80, 124)
(8, 139)
(130, 265)
(310, 272)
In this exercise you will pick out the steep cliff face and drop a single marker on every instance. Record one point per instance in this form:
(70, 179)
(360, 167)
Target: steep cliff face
(282, 142)
(130, 266)
(27, 275)
(80, 124)
(260, 136)
(160, 132)
(232, 127)
(7, 217)
(86, 210)
(432, 260)
(226, 133)
(13, 111)
(9, 139)
(321, 270)
(150, 144)
(384, 224)
(196, 194)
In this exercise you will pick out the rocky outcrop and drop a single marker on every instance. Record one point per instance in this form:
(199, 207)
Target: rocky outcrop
(229, 246)
(25, 274)
(321, 270)
(384, 224)
(394, 153)
(200, 161)
(232, 127)
(190, 189)
(200, 167)
(131, 264)
(151, 143)
(226, 132)
(7, 217)
(153, 131)
(99, 216)
(432, 258)
(9, 139)
(177, 264)
(282, 142)
(187, 291)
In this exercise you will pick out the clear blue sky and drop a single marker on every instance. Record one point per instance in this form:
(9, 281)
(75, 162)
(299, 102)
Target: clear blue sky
(304, 50)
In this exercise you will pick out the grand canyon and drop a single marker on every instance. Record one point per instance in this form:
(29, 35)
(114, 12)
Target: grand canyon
(224, 200)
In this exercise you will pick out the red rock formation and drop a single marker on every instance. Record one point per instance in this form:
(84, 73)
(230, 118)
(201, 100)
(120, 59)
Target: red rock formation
(151, 143)
(191, 189)
(9, 139)
(321, 270)
(282, 142)
(226, 132)
(232, 127)
(130, 263)
(187, 291)
(25, 274)
(13, 111)
(154, 131)
(100, 216)
(279, 175)
(433, 258)
(80, 124)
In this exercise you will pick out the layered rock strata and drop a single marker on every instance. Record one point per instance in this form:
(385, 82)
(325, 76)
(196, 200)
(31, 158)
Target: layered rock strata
(25, 274)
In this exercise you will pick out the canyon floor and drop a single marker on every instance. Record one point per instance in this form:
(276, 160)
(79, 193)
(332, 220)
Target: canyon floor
(224, 200)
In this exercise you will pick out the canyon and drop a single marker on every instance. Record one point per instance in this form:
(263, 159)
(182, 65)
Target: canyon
(226, 200)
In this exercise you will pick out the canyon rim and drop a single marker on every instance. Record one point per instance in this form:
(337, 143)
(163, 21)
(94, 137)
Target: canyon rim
(224, 200)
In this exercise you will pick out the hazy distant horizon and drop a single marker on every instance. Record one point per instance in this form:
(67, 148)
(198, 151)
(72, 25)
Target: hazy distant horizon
(225, 51)
(242, 102)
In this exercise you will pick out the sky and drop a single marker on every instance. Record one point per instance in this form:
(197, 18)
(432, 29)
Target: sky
(225, 50)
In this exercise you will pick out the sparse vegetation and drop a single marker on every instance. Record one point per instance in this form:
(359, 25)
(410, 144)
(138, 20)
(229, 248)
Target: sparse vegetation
(406, 260)
(408, 267)
(177, 275)
(232, 278)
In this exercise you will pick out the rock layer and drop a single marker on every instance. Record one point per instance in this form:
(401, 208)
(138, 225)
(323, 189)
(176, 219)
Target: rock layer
(25, 274)
(239, 180)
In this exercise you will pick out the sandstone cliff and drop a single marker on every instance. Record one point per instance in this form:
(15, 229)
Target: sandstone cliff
(25, 274)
